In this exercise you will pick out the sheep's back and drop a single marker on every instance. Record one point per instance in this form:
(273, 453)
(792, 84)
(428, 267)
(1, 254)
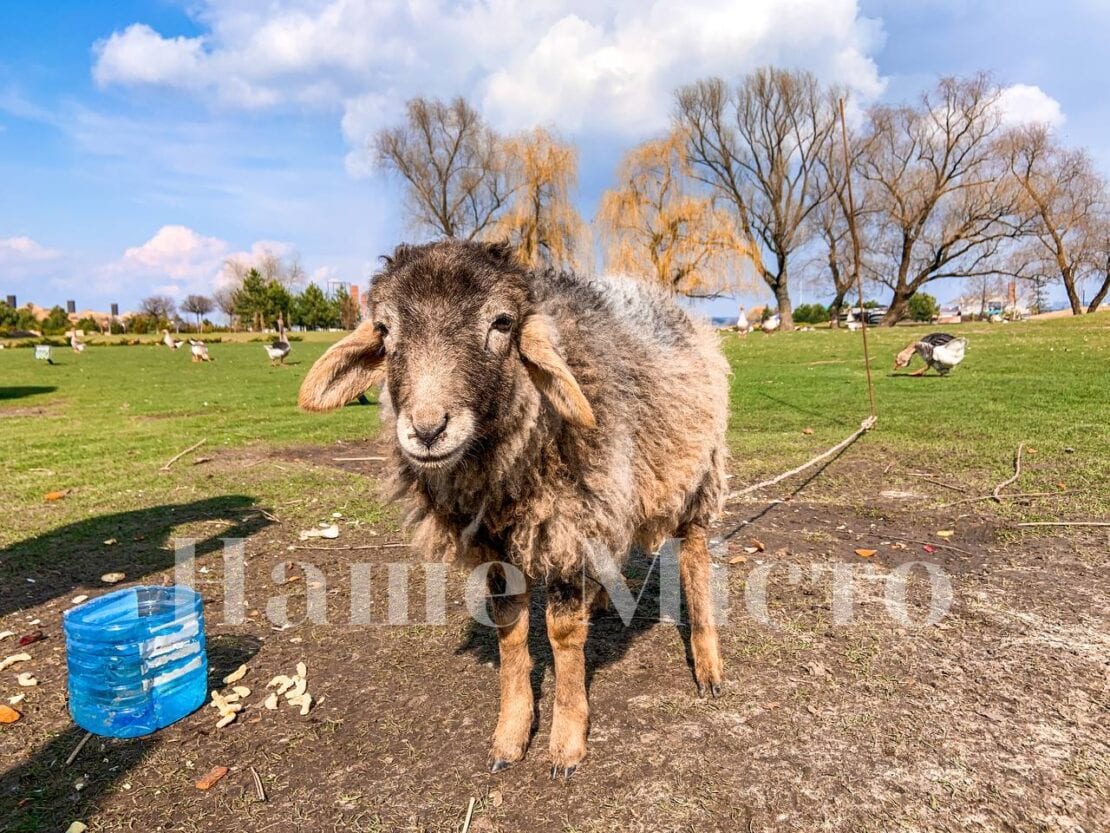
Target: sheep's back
(658, 384)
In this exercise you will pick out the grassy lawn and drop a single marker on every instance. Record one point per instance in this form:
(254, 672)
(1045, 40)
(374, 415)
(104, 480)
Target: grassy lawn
(102, 422)
(1046, 383)
(992, 716)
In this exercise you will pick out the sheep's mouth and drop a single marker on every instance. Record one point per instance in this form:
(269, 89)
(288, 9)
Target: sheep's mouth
(435, 460)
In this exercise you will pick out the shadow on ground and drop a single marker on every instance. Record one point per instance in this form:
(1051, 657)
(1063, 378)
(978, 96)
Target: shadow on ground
(609, 637)
(46, 566)
(19, 392)
(40, 794)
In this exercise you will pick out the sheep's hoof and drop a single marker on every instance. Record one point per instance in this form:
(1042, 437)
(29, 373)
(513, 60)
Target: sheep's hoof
(566, 772)
(713, 690)
(498, 764)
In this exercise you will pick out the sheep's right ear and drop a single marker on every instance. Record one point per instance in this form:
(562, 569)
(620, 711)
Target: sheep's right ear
(550, 374)
(350, 367)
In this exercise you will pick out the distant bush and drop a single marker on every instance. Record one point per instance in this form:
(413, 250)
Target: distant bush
(923, 307)
(810, 314)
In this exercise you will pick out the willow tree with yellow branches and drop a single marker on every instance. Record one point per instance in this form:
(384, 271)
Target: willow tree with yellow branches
(655, 224)
(540, 220)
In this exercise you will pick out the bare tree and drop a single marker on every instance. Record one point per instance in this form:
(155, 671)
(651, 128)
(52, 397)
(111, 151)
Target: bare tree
(758, 147)
(452, 165)
(198, 305)
(540, 220)
(943, 207)
(833, 216)
(158, 307)
(658, 223)
(1066, 202)
(224, 297)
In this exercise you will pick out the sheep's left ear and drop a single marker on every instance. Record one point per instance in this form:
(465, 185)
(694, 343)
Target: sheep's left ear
(550, 373)
(350, 367)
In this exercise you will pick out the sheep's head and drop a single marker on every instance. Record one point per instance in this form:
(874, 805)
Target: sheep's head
(453, 333)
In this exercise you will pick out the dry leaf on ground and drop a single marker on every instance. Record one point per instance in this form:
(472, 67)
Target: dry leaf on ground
(211, 778)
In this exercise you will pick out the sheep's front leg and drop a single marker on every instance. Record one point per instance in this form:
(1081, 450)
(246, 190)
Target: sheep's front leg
(694, 567)
(567, 625)
(514, 721)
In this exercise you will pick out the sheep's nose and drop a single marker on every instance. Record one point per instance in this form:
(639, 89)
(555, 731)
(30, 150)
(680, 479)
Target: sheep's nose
(428, 431)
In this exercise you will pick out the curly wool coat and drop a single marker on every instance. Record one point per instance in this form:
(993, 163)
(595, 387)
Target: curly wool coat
(646, 462)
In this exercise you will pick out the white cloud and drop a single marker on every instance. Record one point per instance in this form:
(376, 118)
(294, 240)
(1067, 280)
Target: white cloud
(22, 250)
(177, 252)
(605, 67)
(1025, 104)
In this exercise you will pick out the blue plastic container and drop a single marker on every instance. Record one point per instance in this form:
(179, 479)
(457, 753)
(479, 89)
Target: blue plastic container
(136, 660)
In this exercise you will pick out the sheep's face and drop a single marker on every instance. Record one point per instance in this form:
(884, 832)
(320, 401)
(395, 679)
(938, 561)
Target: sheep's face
(453, 335)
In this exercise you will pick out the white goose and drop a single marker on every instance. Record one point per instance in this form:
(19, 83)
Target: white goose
(941, 351)
(200, 351)
(279, 349)
(170, 341)
(74, 342)
(771, 324)
(742, 324)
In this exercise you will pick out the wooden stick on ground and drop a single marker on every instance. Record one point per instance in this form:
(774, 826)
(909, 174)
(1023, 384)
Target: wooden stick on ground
(1011, 496)
(177, 457)
(933, 544)
(258, 790)
(469, 813)
(935, 482)
(358, 459)
(77, 749)
(1065, 523)
(352, 547)
(996, 494)
(864, 427)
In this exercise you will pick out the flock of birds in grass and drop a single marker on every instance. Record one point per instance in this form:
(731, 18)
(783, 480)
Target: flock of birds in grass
(939, 351)
(277, 349)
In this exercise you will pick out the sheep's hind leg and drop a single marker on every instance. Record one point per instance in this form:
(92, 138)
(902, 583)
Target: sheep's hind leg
(568, 618)
(514, 721)
(694, 569)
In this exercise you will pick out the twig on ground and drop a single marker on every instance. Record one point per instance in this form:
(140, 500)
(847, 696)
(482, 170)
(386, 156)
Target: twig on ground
(77, 749)
(1065, 523)
(1011, 496)
(469, 813)
(930, 544)
(177, 457)
(258, 790)
(934, 481)
(996, 494)
(351, 547)
(358, 459)
(864, 427)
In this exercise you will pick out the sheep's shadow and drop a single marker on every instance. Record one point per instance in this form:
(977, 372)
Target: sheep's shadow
(610, 637)
(44, 567)
(21, 391)
(38, 793)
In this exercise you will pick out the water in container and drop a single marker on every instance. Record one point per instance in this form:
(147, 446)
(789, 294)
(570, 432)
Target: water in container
(136, 660)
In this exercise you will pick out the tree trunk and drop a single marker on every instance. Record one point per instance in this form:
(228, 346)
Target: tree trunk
(835, 308)
(1073, 296)
(899, 306)
(1100, 296)
(782, 298)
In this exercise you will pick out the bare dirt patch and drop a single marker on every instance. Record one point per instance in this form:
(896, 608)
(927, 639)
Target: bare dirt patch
(991, 719)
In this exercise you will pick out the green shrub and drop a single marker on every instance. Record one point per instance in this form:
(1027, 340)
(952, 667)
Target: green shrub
(923, 307)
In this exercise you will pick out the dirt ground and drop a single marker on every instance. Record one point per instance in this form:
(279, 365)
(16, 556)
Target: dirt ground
(992, 719)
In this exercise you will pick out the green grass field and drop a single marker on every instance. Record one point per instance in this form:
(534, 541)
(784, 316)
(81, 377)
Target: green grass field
(101, 423)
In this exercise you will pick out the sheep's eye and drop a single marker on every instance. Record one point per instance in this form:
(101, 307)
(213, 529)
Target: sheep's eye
(381, 329)
(502, 323)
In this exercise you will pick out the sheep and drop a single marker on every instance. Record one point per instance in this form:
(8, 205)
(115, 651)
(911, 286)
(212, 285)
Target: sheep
(532, 417)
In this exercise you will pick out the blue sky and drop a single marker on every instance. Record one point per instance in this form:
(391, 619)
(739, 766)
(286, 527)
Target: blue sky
(141, 144)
